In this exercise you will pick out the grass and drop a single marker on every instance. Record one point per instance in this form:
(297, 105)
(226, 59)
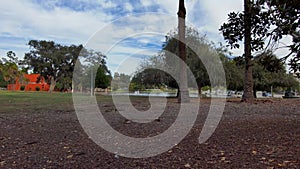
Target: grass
(25, 101)
(20, 101)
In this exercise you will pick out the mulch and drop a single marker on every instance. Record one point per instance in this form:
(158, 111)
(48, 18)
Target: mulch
(264, 134)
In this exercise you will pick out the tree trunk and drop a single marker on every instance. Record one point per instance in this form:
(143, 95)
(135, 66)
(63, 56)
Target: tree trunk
(248, 79)
(254, 93)
(184, 93)
(199, 91)
(52, 84)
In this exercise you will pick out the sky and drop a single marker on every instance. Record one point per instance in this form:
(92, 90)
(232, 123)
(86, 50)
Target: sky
(126, 31)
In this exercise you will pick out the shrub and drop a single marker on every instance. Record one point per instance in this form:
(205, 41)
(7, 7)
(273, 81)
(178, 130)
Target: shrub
(37, 88)
(22, 88)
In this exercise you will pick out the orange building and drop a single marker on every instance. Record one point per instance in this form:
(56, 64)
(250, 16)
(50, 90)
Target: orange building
(30, 84)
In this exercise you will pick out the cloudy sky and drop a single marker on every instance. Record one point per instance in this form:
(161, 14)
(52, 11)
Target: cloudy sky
(126, 31)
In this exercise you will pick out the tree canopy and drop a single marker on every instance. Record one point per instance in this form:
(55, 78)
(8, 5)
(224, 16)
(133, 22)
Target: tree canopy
(9, 70)
(262, 25)
(53, 61)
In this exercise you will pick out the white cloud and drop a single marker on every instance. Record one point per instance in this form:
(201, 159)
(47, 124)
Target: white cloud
(107, 4)
(128, 7)
(24, 20)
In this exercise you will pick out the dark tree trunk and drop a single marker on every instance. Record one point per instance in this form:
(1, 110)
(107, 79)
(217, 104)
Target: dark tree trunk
(199, 91)
(254, 92)
(248, 79)
(178, 93)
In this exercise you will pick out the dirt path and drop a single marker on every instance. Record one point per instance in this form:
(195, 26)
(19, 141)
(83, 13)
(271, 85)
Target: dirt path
(260, 135)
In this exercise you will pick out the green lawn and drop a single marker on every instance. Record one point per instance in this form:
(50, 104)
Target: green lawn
(16, 101)
(20, 101)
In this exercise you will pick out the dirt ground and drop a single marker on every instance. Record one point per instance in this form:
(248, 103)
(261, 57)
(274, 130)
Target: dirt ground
(264, 134)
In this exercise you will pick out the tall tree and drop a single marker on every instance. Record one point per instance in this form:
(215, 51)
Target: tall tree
(183, 87)
(53, 61)
(248, 80)
(263, 21)
(196, 44)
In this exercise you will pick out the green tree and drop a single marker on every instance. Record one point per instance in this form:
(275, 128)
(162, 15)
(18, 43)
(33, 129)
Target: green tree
(103, 77)
(53, 61)
(9, 70)
(262, 20)
(120, 81)
(89, 62)
(269, 71)
(234, 73)
(196, 44)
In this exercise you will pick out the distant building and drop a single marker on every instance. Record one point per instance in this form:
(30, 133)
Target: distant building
(29, 83)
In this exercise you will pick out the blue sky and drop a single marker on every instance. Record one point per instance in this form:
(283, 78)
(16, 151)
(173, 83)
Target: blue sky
(80, 21)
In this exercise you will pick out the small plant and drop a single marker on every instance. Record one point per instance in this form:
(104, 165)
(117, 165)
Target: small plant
(37, 88)
(22, 88)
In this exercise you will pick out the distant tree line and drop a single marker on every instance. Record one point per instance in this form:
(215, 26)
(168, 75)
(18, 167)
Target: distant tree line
(268, 69)
(55, 63)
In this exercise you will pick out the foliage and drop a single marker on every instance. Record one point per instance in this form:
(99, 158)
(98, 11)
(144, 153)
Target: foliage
(53, 61)
(103, 77)
(120, 81)
(264, 21)
(9, 70)
(89, 62)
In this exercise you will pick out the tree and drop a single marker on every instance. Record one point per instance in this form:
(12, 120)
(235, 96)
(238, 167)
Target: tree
(103, 77)
(262, 20)
(53, 61)
(196, 45)
(89, 62)
(168, 59)
(269, 71)
(234, 73)
(284, 15)
(9, 70)
(120, 81)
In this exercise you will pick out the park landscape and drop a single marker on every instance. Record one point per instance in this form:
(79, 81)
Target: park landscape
(40, 126)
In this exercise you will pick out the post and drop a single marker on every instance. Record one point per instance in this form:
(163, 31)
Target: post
(92, 82)
(183, 89)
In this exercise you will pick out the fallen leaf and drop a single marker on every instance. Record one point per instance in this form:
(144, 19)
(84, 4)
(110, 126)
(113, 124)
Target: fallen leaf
(187, 165)
(281, 165)
(2, 163)
(70, 156)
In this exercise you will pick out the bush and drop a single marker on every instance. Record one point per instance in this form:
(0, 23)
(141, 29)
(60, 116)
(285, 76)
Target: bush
(37, 88)
(22, 88)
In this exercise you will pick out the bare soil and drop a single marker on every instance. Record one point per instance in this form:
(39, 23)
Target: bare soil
(264, 134)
